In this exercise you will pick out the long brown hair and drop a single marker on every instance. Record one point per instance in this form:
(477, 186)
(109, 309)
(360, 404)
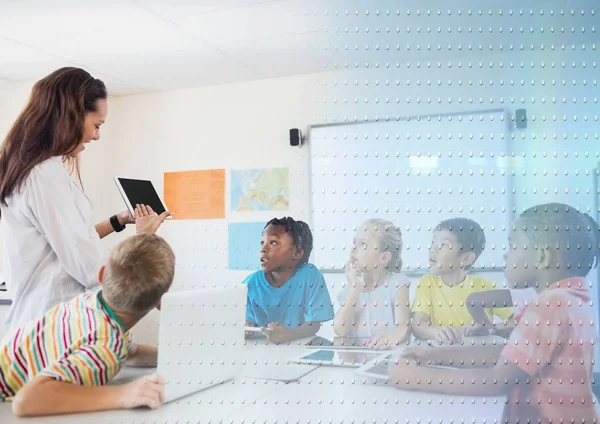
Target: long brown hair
(51, 124)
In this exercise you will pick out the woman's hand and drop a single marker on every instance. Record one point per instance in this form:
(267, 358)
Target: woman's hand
(125, 218)
(148, 221)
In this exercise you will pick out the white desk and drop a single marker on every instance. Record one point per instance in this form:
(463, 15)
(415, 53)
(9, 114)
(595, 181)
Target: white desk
(339, 395)
(325, 395)
(208, 406)
(269, 361)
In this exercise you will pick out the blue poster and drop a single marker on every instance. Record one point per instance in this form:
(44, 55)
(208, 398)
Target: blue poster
(244, 245)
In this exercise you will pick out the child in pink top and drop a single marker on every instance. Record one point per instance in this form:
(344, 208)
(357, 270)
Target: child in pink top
(545, 368)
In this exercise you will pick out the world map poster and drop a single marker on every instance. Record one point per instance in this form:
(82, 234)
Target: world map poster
(257, 190)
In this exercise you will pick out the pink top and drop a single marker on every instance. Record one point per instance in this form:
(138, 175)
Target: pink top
(553, 343)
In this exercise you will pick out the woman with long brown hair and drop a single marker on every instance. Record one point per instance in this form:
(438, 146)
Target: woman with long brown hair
(52, 247)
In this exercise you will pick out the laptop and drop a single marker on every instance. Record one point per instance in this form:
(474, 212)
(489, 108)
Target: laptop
(201, 340)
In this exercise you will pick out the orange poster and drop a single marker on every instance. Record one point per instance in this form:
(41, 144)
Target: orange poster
(196, 194)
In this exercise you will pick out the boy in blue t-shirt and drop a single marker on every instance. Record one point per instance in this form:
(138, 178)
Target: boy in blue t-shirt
(288, 298)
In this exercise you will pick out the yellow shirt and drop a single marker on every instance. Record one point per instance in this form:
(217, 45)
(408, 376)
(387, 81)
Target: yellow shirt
(446, 306)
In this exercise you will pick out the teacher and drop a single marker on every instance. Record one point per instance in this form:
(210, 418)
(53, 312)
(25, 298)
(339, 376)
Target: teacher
(52, 248)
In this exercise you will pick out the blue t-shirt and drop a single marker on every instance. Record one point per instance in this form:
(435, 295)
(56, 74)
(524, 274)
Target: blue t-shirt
(304, 298)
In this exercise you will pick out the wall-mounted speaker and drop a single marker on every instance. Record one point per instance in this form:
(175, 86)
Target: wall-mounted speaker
(521, 118)
(295, 137)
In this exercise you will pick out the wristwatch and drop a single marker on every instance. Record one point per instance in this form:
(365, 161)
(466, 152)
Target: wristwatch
(114, 221)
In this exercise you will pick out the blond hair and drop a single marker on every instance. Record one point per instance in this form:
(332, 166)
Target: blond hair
(390, 240)
(139, 271)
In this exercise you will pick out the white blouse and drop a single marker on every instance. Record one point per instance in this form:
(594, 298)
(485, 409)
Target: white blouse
(374, 312)
(52, 251)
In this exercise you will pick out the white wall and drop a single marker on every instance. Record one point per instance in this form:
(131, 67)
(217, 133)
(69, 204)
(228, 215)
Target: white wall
(230, 126)
(239, 125)
(246, 125)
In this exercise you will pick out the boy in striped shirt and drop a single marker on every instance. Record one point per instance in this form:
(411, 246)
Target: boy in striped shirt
(59, 363)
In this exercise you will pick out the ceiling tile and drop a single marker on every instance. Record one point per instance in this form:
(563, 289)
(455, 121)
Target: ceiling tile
(148, 45)
(178, 8)
(116, 85)
(70, 31)
(261, 21)
(23, 63)
(176, 69)
(289, 55)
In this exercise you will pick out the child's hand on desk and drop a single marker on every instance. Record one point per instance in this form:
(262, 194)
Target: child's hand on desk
(449, 334)
(275, 333)
(480, 330)
(250, 334)
(146, 391)
(384, 341)
(418, 353)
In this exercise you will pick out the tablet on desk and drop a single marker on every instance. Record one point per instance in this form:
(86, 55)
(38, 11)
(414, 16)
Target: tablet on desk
(339, 358)
(379, 367)
(339, 343)
(140, 192)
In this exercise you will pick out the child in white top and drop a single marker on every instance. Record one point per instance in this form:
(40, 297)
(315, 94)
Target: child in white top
(375, 302)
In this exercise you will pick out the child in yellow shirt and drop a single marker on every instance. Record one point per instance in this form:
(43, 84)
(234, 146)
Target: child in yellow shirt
(439, 309)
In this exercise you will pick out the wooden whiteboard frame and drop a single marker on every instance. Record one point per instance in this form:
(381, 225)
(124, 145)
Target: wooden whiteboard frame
(509, 142)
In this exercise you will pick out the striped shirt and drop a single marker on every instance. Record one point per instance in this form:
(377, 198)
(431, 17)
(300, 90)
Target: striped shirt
(553, 343)
(81, 342)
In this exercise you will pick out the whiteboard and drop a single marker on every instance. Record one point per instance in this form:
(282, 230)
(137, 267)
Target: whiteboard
(414, 172)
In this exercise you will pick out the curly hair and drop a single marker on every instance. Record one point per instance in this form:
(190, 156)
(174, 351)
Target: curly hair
(300, 232)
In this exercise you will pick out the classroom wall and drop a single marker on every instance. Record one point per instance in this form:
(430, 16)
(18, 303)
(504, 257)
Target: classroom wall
(231, 126)
(246, 126)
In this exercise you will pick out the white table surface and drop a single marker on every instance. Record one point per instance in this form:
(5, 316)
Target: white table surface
(324, 395)
(340, 395)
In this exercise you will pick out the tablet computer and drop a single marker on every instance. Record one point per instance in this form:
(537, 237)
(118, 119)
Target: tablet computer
(339, 358)
(136, 192)
(341, 343)
(379, 367)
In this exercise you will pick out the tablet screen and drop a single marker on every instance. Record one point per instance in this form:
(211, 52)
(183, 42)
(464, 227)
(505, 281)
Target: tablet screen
(141, 192)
